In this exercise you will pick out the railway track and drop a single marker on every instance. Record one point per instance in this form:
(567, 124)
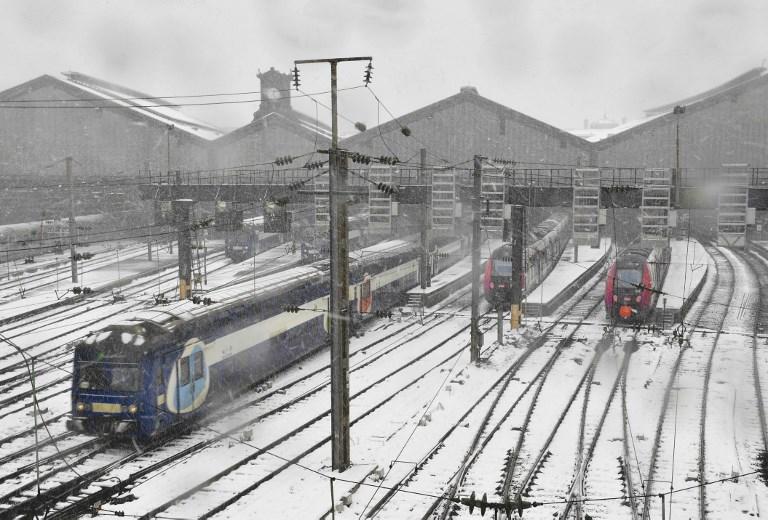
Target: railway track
(276, 402)
(489, 415)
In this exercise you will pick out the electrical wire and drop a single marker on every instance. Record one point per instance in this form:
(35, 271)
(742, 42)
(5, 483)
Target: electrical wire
(130, 106)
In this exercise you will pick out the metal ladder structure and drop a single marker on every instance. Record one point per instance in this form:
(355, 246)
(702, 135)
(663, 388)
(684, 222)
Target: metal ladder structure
(586, 206)
(655, 207)
(492, 195)
(379, 203)
(732, 206)
(443, 201)
(322, 207)
(416, 302)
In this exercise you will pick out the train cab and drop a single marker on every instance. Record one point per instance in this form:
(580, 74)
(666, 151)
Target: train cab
(110, 366)
(497, 281)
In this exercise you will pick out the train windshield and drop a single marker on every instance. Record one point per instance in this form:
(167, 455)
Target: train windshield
(109, 360)
(502, 267)
(628, 278)
(108, 376)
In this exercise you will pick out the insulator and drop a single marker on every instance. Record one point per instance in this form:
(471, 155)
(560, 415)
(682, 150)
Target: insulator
(405, 131)
(360, 127)
(296, 81)
(368, 76)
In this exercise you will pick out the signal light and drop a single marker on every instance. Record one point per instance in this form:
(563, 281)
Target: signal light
(368, 76)
(296, 81)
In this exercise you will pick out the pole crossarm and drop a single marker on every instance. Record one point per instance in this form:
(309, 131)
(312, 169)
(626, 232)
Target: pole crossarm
(333, 60)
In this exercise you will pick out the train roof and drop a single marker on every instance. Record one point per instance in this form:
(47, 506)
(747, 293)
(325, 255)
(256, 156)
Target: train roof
(168, 317)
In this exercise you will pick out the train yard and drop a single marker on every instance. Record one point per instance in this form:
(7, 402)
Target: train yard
(567, 418)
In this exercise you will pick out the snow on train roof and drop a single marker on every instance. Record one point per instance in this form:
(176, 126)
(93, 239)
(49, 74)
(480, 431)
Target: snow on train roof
(151, 107)
(167, 315)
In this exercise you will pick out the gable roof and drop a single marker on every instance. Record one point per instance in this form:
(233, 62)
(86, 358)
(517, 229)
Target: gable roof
(738, 80)
(90, 91)
(664, 114)
(466, 95)
(291, 120)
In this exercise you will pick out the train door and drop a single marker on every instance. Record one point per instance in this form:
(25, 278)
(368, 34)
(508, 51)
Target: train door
(189, 383)
(366, 296)
(183, 392)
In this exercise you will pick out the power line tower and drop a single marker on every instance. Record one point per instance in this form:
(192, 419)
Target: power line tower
(339, 297)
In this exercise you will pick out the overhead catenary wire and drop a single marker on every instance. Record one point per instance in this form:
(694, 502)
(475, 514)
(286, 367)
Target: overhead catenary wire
(129, 106)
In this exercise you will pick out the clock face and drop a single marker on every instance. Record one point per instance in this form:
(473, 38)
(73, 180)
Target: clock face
(272, 93)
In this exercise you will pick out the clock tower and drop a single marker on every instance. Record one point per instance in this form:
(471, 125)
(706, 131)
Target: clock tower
(275, 91)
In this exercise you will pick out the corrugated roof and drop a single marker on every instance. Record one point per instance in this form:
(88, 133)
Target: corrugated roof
(665, 113)
(148, 106)
(738, 80)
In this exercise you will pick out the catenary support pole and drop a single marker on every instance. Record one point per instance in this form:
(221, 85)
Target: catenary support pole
(339, 283)
(517, 236)
(72, 227)
(424, 272)
(181, 210)
(474, 327)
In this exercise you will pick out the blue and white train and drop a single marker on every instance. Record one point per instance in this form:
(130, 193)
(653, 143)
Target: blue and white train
(162, 366)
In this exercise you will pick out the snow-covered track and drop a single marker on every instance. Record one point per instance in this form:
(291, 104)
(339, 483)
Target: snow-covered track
(493, 407)
(193, 440)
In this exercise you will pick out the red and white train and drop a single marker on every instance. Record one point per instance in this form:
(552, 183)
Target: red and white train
(634, 282)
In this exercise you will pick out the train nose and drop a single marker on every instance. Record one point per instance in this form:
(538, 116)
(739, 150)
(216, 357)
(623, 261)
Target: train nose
(625, 312)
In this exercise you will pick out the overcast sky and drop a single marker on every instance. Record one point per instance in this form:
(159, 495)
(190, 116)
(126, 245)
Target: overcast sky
(558, 61)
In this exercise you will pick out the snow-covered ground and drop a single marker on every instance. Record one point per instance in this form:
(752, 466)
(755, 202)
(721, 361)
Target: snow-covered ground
(416, 394)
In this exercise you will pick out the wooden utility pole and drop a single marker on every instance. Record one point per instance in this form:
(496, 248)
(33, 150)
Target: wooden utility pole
(339, 293)
(476, 339)
(72, 227)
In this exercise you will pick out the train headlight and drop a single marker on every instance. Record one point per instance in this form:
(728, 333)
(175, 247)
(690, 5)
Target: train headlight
(133, 409)
(80, 407)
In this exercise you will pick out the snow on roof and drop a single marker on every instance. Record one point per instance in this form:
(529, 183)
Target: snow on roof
(151, 107)
(594, 135)
(300, 120)
(750, 75)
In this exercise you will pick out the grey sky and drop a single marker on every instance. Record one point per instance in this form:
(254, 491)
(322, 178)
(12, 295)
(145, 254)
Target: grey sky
(559, 61)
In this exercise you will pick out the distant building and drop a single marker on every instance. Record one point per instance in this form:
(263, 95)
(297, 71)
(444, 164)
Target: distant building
(276, 130)
(107, 128)
(456, 128)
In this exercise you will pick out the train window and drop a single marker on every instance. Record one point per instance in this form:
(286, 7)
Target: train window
(125, 378)
(198, 365)
(628, 277)
(502, 267)
(184, 371)
(158, 376)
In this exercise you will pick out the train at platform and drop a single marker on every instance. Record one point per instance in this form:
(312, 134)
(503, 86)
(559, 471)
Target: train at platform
(545, 245)
(166, 365)
(634, 281)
